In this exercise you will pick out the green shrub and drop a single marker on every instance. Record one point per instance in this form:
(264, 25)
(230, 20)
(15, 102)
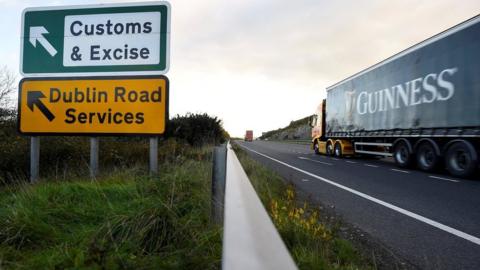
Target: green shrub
(197, 129)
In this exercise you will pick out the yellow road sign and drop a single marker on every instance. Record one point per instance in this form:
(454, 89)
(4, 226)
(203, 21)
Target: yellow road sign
(97, 106)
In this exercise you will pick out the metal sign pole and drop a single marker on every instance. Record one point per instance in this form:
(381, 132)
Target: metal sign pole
(153, 155)
(93, 157)
(34, 159)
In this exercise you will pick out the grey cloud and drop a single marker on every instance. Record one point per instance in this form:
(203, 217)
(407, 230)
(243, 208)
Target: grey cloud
(308, 40)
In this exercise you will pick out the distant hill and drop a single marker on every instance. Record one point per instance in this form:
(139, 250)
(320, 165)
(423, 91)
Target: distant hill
(296, 130)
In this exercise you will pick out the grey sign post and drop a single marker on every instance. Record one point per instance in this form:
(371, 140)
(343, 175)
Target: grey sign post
(34, 158)
(93, 157)
(153, 155)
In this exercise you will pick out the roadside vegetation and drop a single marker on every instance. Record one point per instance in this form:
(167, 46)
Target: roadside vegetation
(124, 219)
(313, 243)
(288, 132)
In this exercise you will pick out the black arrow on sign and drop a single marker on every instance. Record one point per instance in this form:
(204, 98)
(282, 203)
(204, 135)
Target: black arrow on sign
(33, 98)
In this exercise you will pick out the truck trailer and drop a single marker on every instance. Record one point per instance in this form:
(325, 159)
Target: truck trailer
(420, 106)
(249, 135)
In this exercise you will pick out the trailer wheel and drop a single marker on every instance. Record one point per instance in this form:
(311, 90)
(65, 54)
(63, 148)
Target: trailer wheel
(402, 155)
(329, 149)
(461, 159)
(337, 152)
(427, 158)
(316, 148)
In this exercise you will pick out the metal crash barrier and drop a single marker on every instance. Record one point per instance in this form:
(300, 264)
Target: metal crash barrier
(250, 240)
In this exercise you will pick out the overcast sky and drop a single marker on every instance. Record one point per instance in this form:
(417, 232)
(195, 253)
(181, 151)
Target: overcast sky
(259, 64)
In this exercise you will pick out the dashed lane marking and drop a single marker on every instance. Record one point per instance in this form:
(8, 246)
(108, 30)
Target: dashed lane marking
(444, 179)
(402, 171)
(349, 161)
(305, 180)
(370, 165)
(413, 215)
(317, 161)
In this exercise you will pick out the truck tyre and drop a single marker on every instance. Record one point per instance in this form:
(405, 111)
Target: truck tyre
(461, 159)
(402, 155)
(427, 158)
(337, 152)
(315, 148)
(329, 149)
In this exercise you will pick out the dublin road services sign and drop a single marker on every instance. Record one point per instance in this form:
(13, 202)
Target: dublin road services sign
(93, 106)
(93, 40)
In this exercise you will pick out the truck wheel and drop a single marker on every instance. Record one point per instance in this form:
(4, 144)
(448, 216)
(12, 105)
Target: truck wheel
(338, 150)
(427, 158)
(461, 159)
(402, 155)
(329, 149)
(315, 148)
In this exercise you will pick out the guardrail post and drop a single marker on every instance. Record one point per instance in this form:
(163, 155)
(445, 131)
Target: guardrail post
(218, 183)
(34, 159)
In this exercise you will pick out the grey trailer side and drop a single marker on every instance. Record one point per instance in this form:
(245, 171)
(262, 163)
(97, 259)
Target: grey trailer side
(425, 99)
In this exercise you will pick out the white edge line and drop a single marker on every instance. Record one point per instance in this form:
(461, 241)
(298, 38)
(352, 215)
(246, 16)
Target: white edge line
(428, 221)
(402, 171)
(445, 179)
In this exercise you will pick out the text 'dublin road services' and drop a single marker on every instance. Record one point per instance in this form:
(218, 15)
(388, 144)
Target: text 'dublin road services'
(96, 40)
(137, 105)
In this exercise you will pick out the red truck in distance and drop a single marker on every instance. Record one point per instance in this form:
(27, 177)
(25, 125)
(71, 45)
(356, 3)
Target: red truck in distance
(249, 136)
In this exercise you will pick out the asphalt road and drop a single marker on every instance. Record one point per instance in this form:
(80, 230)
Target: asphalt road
(430, 220)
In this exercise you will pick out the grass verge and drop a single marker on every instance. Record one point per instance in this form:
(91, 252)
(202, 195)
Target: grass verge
(125, 220)
(314, 244)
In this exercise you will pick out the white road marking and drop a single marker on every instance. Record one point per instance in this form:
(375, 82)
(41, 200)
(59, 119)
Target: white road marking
(318, 161)
(305, 180)
(396, 170)
(370, 165)
(444, 179)
(349, 161)
(335, 158)
(425, 220)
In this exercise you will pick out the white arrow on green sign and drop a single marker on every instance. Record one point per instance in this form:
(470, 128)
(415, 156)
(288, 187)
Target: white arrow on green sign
(112, 40)
(36, 34)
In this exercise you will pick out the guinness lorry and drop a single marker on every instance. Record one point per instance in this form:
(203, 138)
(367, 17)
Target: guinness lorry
(420, 106)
